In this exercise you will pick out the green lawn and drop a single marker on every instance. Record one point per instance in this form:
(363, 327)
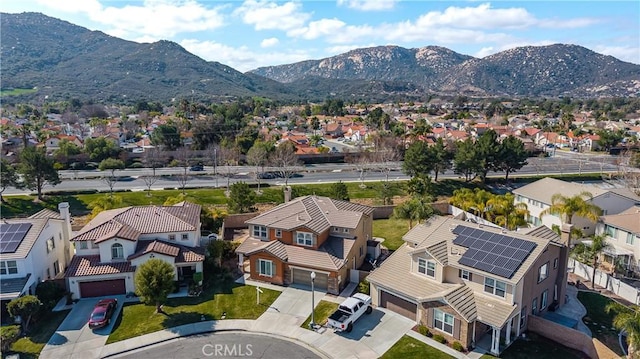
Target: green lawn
(599, 321)
(391, 230)
(40, 333)
(408, 347)
(322, 311)
(537, 347)
(238, 301)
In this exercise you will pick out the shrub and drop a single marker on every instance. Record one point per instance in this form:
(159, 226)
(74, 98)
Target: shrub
(364, 287)
(49, 293)
(8, 335)
(457, 346)
(439, 338)
(422, 329)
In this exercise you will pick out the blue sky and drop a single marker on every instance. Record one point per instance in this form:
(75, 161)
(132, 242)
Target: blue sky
(253, 33)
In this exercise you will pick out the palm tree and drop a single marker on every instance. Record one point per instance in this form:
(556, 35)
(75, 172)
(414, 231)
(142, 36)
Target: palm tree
(567, 207)
(416, 209)
(627, 320)
(590, 251)
(504, 212)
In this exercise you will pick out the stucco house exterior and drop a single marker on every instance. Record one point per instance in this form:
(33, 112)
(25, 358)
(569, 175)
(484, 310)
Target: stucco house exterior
(622, 233)
(308, 234)
(473, 284)
(33, 249)
(115, 242)
(537, 197)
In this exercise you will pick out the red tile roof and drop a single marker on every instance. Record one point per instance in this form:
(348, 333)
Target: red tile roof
(181, 253)
(90, 265)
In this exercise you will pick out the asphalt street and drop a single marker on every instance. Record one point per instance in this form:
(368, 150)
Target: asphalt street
(225, 345)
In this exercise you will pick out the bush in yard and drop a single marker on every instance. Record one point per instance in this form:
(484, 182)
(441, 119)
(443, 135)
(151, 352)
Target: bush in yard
(457, 346)
(8, 335)
(422, 329)
(24, 307)
(439, 338)
(364, 287)
(242, 198)
(49, 293)
(154, 282)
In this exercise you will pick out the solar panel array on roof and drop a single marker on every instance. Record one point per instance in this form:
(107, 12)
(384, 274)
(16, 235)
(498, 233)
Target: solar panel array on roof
(11, 235)
(490, 252)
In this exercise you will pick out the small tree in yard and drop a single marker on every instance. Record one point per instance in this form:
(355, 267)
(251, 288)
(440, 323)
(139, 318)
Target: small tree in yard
(8, 335)
(154, 282)
(339, 191)
(241, 198)
(25, 308)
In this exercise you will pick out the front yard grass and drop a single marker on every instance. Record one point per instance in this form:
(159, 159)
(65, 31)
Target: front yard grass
(539, 347)
(408, 347)
(31, 345)
(322, 311)
(391, 230)
(599, 321)
(238, 301)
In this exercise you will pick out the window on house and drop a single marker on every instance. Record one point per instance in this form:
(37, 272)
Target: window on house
(304, 238)
(495, 287)
(543, 300)
(265, 267)
(523, 316)
(630, 238)
(555, 263)
(117, 251)
(465, 274)
(56, 268)
(361, 251)
(543, 272)
(260, 231)
(185, 236)
(278, 233)
(82, 245)
(51, 245)
(345, 230)
(48, 273)
(172, 237)
(443, 321)
(534, 306)
(611, 231)
(8, 267)
(94, 245)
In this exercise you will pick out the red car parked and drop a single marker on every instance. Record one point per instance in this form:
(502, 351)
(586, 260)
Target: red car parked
(102, 312)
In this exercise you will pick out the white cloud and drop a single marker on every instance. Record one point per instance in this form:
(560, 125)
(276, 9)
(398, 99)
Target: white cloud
(265, 15)
(624, 53)
(241, 58)
(320, 28)
(368, 5)
(490, 50)
(482, 16)
(272, 41)
(72, 6)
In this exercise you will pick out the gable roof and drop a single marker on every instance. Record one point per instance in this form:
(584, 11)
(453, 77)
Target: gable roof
(37, 225)
(90, 265)
(543, 189)
(130, 222)
(314, 213)
(628, 220)
(179, 252)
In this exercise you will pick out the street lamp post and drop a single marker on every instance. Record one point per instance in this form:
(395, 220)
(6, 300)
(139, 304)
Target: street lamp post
(313, 317)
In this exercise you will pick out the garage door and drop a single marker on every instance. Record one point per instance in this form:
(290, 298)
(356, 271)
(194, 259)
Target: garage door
(102, 288)
(398, 305)
(301, 276)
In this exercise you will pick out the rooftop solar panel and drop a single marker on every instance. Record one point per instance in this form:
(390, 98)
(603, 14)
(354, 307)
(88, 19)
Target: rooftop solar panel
(11, 235)
(495, 253)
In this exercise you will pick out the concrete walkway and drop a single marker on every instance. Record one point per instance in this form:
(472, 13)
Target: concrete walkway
(575, 310)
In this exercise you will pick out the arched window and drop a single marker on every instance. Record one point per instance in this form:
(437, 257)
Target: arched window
(117, 251)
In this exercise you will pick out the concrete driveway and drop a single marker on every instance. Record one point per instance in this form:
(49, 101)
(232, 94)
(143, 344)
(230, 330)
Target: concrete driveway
(74, 339)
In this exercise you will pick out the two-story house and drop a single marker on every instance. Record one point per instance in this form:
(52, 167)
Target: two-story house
(622, 232)
(308, 234)
(33, 249)
(115, 242)
(537, 196)
(471, 283)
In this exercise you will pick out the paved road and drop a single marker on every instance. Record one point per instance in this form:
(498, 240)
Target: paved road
(225, 345)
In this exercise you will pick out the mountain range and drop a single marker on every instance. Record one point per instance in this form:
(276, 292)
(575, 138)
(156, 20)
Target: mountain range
(62, 61)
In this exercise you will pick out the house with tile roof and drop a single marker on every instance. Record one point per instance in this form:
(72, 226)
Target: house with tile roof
(115, 242)
(622, 232)
(473, 284)
(537, 197)
(33, 249)
(308, 234)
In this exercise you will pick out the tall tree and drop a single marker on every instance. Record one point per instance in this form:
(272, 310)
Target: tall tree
(100, 148)
(567, 207)
(417, 162)
(167, 136)
(111, 164)
(467, 160)
(440, 158)
(511, 156)
(8, 177)
(591, 251)
(487, 148)
(339, 191)
(416, 209)
(241, 198)
(258, 157)
(37, 169)
(153, 158)
(154, 281)
(285, 160)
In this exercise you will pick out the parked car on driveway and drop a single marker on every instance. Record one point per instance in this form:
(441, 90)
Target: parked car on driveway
(102, 312)
(349, 311)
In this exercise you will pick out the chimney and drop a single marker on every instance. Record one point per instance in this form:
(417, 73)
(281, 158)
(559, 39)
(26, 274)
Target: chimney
(565, 234)
(63, 208)
(287, 194)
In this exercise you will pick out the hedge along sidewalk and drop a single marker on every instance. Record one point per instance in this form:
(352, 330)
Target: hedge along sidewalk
(435, 344)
